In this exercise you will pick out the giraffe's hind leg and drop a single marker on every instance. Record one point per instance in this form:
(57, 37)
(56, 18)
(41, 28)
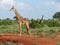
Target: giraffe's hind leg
(28, 29)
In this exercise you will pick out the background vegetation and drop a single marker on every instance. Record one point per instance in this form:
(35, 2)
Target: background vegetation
(49, 28)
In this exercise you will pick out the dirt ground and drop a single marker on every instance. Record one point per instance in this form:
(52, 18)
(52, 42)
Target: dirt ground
(26, 40)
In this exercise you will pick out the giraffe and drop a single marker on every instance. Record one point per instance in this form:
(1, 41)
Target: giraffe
(22, 21)
(41, 21)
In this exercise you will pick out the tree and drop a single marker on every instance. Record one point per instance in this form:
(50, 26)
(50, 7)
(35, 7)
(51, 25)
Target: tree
(15, 17)
(7, 19)
(57, 16)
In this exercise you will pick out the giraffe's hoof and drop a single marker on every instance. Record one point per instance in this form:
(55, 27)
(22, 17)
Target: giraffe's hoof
(19, 35)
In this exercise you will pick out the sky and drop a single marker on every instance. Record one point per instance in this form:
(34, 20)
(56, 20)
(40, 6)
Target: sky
(29, 8)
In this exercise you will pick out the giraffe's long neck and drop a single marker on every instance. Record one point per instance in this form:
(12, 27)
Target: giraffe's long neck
(18, 15)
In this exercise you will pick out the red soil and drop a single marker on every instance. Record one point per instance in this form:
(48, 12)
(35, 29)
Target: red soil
(29, 40)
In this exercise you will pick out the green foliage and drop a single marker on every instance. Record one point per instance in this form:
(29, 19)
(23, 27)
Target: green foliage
(51, 31)
(51, 23)
(35, 24)
(7, 21)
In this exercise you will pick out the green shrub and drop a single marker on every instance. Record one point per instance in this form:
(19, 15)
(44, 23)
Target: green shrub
(7, 22)
(52, 31)
(51, 23)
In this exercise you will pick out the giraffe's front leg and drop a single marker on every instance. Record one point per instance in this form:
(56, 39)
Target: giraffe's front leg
(20, 28)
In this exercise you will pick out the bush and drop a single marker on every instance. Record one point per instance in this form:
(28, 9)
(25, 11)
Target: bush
(35, 25)
(7, 22)
(51, 23)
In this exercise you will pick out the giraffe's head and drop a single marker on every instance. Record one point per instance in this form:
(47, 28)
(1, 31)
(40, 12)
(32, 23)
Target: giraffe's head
(12, 8)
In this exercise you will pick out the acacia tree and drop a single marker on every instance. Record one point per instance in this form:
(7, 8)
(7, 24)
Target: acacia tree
(57, 16)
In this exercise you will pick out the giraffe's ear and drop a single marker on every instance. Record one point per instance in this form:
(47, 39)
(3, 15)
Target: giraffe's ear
(11, 8)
